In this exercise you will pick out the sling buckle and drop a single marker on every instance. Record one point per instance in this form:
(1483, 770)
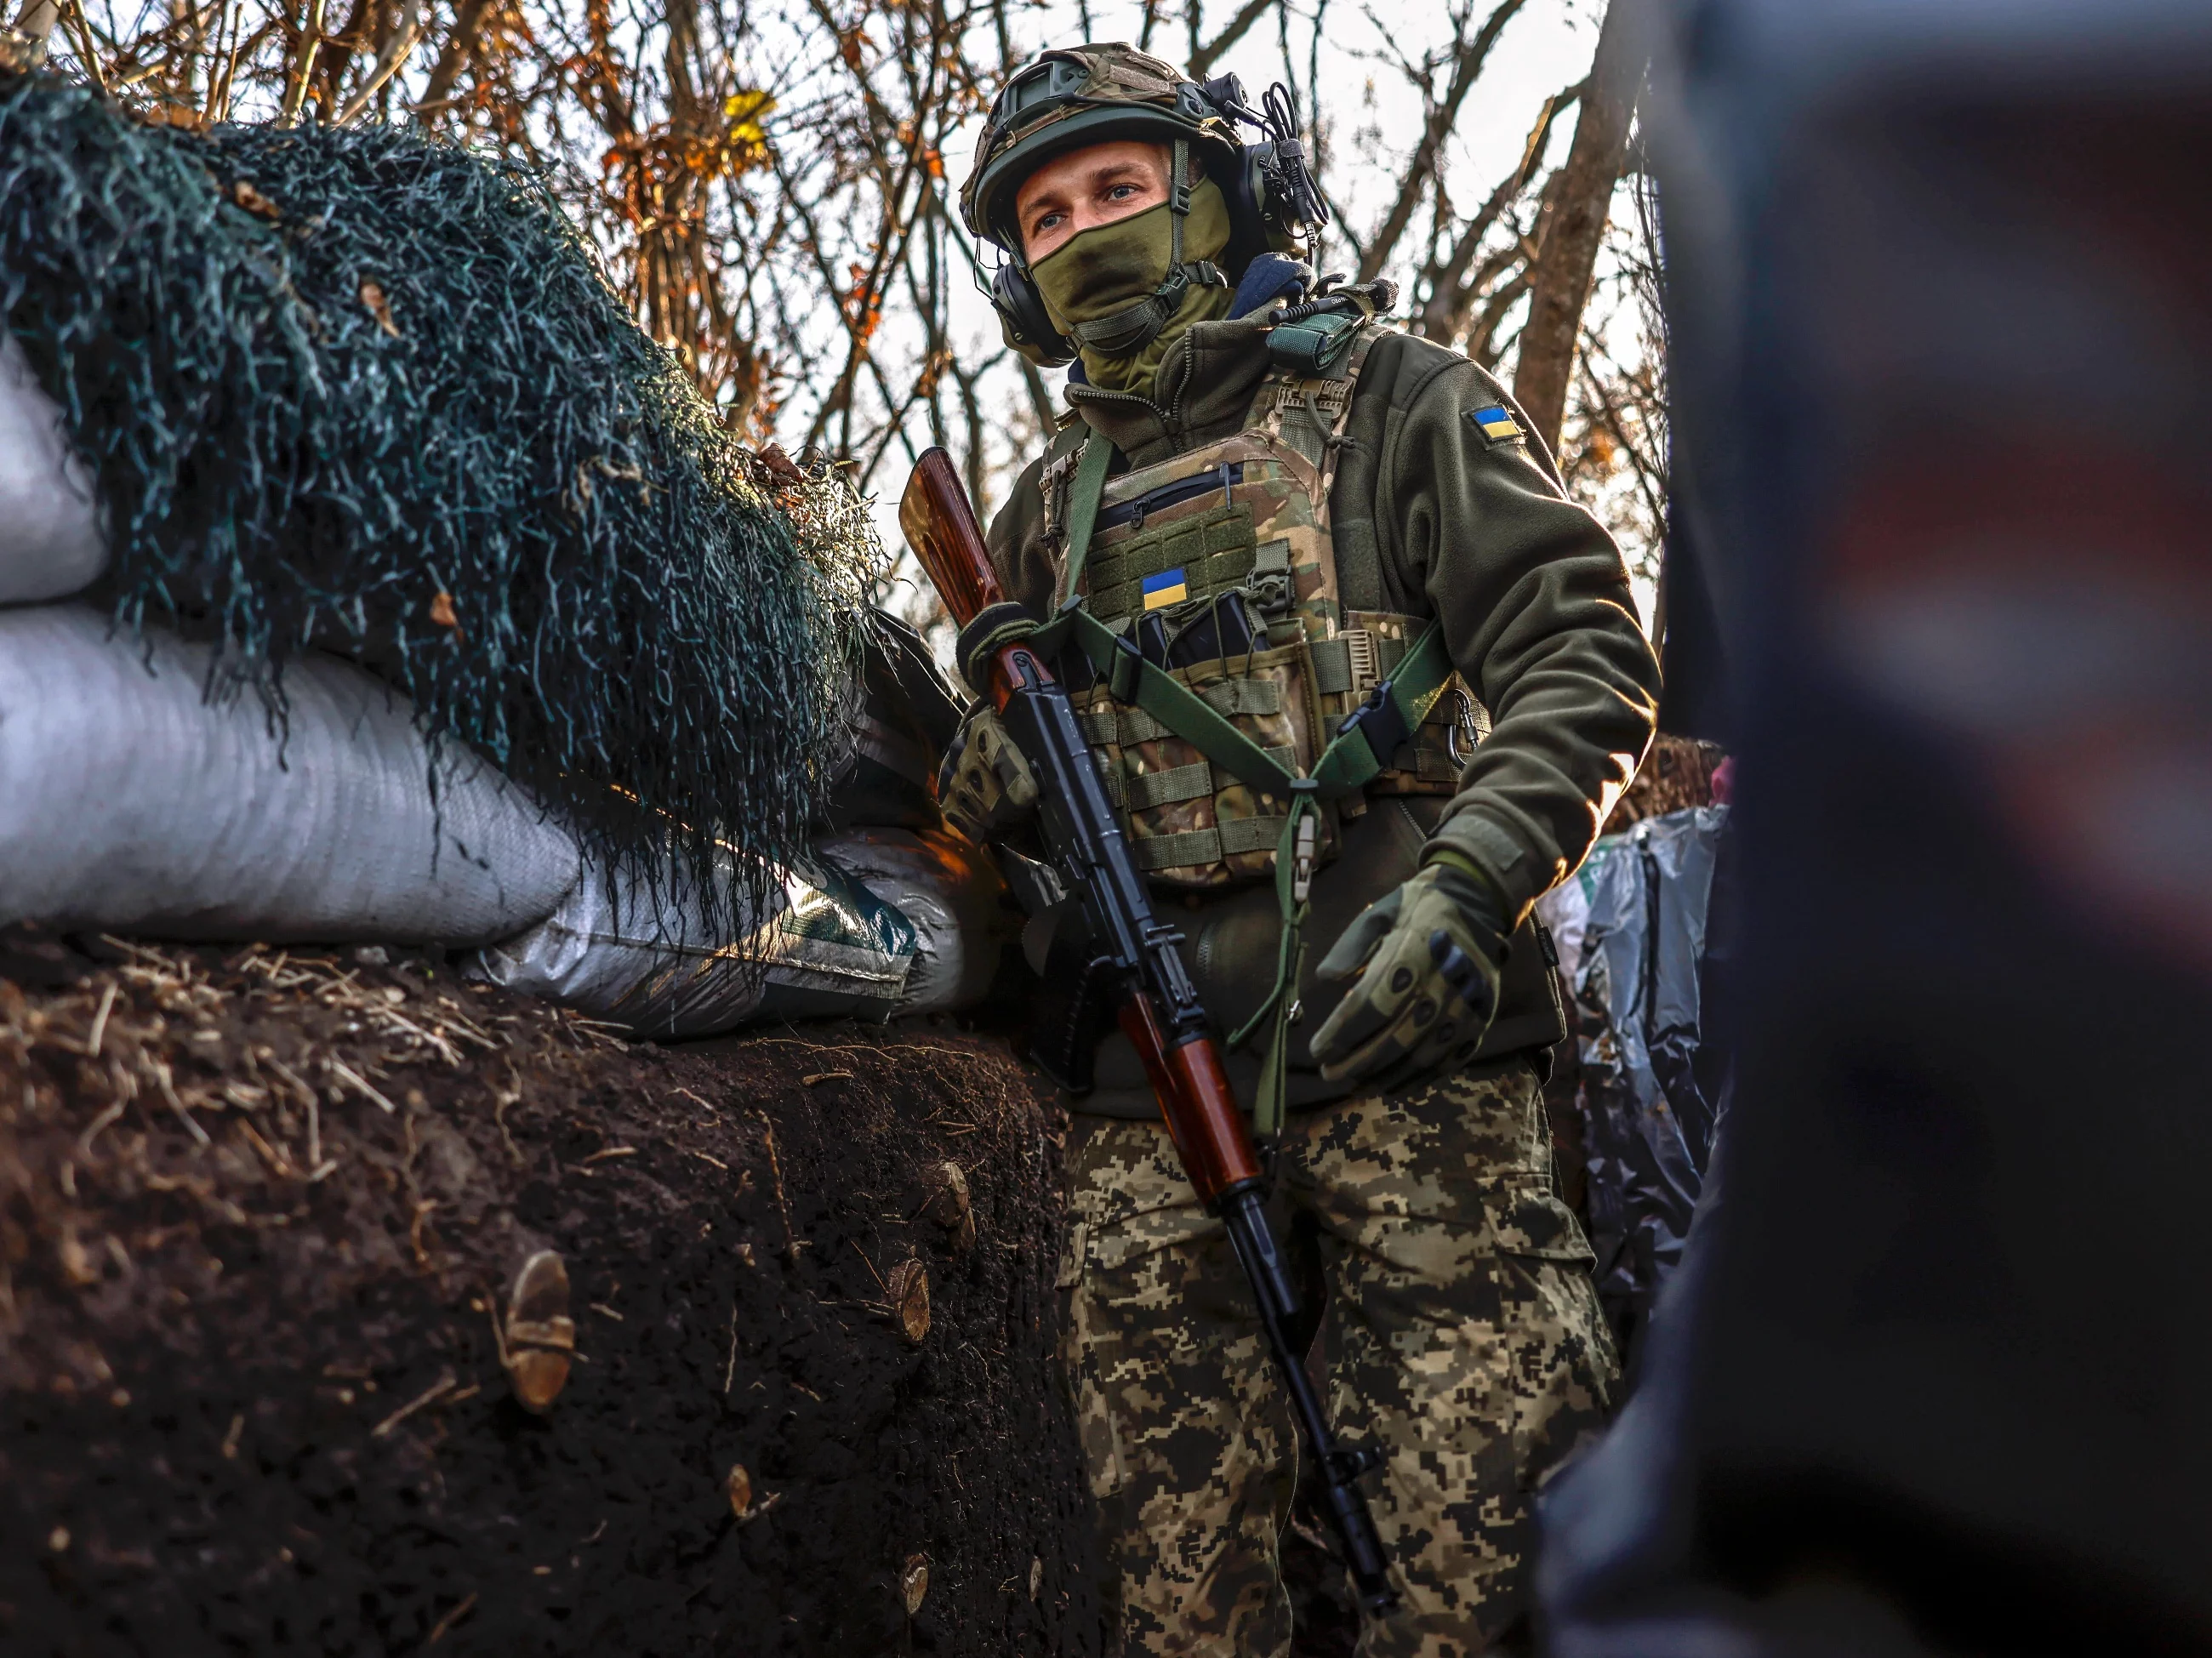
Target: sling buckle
(1380, 720)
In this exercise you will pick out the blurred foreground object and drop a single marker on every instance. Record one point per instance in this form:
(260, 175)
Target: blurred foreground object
(1941, 289)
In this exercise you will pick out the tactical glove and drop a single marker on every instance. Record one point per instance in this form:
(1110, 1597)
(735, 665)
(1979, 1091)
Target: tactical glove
(984, 785)
(1431, 950)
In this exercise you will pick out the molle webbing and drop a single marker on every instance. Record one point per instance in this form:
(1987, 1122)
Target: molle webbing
(1115, 724)
(1398, 706)
(1195, 781)
(1348, 763)
(1207, 846)
(1169, 787)
(1308, 415)
(1213, 550)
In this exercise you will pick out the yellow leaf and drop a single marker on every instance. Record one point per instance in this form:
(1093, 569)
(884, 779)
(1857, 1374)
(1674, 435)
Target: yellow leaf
(747, 113)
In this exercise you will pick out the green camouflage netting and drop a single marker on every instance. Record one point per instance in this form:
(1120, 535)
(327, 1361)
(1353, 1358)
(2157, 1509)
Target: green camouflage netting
(358, 389)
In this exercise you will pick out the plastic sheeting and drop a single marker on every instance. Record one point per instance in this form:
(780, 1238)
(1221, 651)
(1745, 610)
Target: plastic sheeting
(880, 923)
(129, 802)
(890, 915)
(1648, 1117)
(638, 951)
(949, 892)
(132, 802)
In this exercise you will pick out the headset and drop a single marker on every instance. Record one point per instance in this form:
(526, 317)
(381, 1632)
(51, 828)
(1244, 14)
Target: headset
(1274, 203)
(1274, 190)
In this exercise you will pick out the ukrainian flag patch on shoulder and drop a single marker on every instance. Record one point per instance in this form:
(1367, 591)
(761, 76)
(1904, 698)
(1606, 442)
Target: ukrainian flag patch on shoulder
(1168, 587)
(1496, 422)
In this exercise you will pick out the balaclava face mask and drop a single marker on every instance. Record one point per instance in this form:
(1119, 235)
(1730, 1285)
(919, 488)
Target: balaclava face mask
(1110, 267)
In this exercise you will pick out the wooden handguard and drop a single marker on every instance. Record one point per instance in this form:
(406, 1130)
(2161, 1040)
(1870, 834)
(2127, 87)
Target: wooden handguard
(1196, 1103)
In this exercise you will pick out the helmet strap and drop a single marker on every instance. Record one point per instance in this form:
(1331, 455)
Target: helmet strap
(1130, 330)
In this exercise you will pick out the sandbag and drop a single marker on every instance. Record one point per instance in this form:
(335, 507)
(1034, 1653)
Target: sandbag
(51, 545)
(636, 948)
(131, 803)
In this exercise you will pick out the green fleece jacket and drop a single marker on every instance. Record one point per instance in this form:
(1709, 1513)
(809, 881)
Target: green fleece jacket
(1430, 518)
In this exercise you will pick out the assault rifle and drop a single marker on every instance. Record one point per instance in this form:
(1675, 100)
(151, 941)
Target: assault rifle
(1134, 952)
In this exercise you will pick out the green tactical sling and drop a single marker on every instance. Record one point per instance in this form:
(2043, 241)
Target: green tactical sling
(1346, 766)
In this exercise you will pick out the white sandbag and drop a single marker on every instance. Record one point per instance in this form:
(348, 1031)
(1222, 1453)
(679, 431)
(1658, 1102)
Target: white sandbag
(128, 804)
(643, 954)
(948, 889)
(51, 543)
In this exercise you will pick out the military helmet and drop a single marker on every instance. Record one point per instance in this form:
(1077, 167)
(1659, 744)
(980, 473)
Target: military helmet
(1073, 96)
(1065, 98)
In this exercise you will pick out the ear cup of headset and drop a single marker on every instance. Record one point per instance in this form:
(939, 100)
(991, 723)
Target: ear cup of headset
(1287, 207)
(1014, 295)
(1246, 193)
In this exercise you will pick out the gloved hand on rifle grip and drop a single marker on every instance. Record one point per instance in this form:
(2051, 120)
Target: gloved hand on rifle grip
(984, 785)
(1427, 956)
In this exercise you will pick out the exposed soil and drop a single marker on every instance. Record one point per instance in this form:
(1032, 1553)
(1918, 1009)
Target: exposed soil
(260, 1215)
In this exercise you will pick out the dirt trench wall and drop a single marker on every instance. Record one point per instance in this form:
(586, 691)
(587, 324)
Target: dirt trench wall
(252, 1397)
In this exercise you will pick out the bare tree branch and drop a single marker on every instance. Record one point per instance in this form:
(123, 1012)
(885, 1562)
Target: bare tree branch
(765, 182)
(394, 53)
(1451, 295)
(1421, 171)
(1204, 58)
(453, 56)
(1560, 283)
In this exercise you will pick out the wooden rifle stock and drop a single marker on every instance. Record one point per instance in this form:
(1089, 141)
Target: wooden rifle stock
(941, 528)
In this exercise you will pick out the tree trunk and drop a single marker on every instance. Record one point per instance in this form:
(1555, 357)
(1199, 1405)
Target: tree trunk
(1560, 282)
(445, 73)
(38, 21)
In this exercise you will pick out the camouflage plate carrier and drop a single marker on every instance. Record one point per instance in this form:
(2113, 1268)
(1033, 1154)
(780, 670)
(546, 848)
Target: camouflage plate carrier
(1249, 513)
(1231, 769)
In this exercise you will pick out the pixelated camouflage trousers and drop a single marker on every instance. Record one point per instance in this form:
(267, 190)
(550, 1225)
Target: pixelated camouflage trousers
(1464, 1341)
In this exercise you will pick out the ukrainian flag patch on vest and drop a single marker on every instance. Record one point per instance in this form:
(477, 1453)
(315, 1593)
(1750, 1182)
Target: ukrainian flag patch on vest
(1168, 587)
(1496, 422)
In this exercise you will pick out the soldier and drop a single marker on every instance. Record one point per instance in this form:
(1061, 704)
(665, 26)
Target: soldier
(1298, 512)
